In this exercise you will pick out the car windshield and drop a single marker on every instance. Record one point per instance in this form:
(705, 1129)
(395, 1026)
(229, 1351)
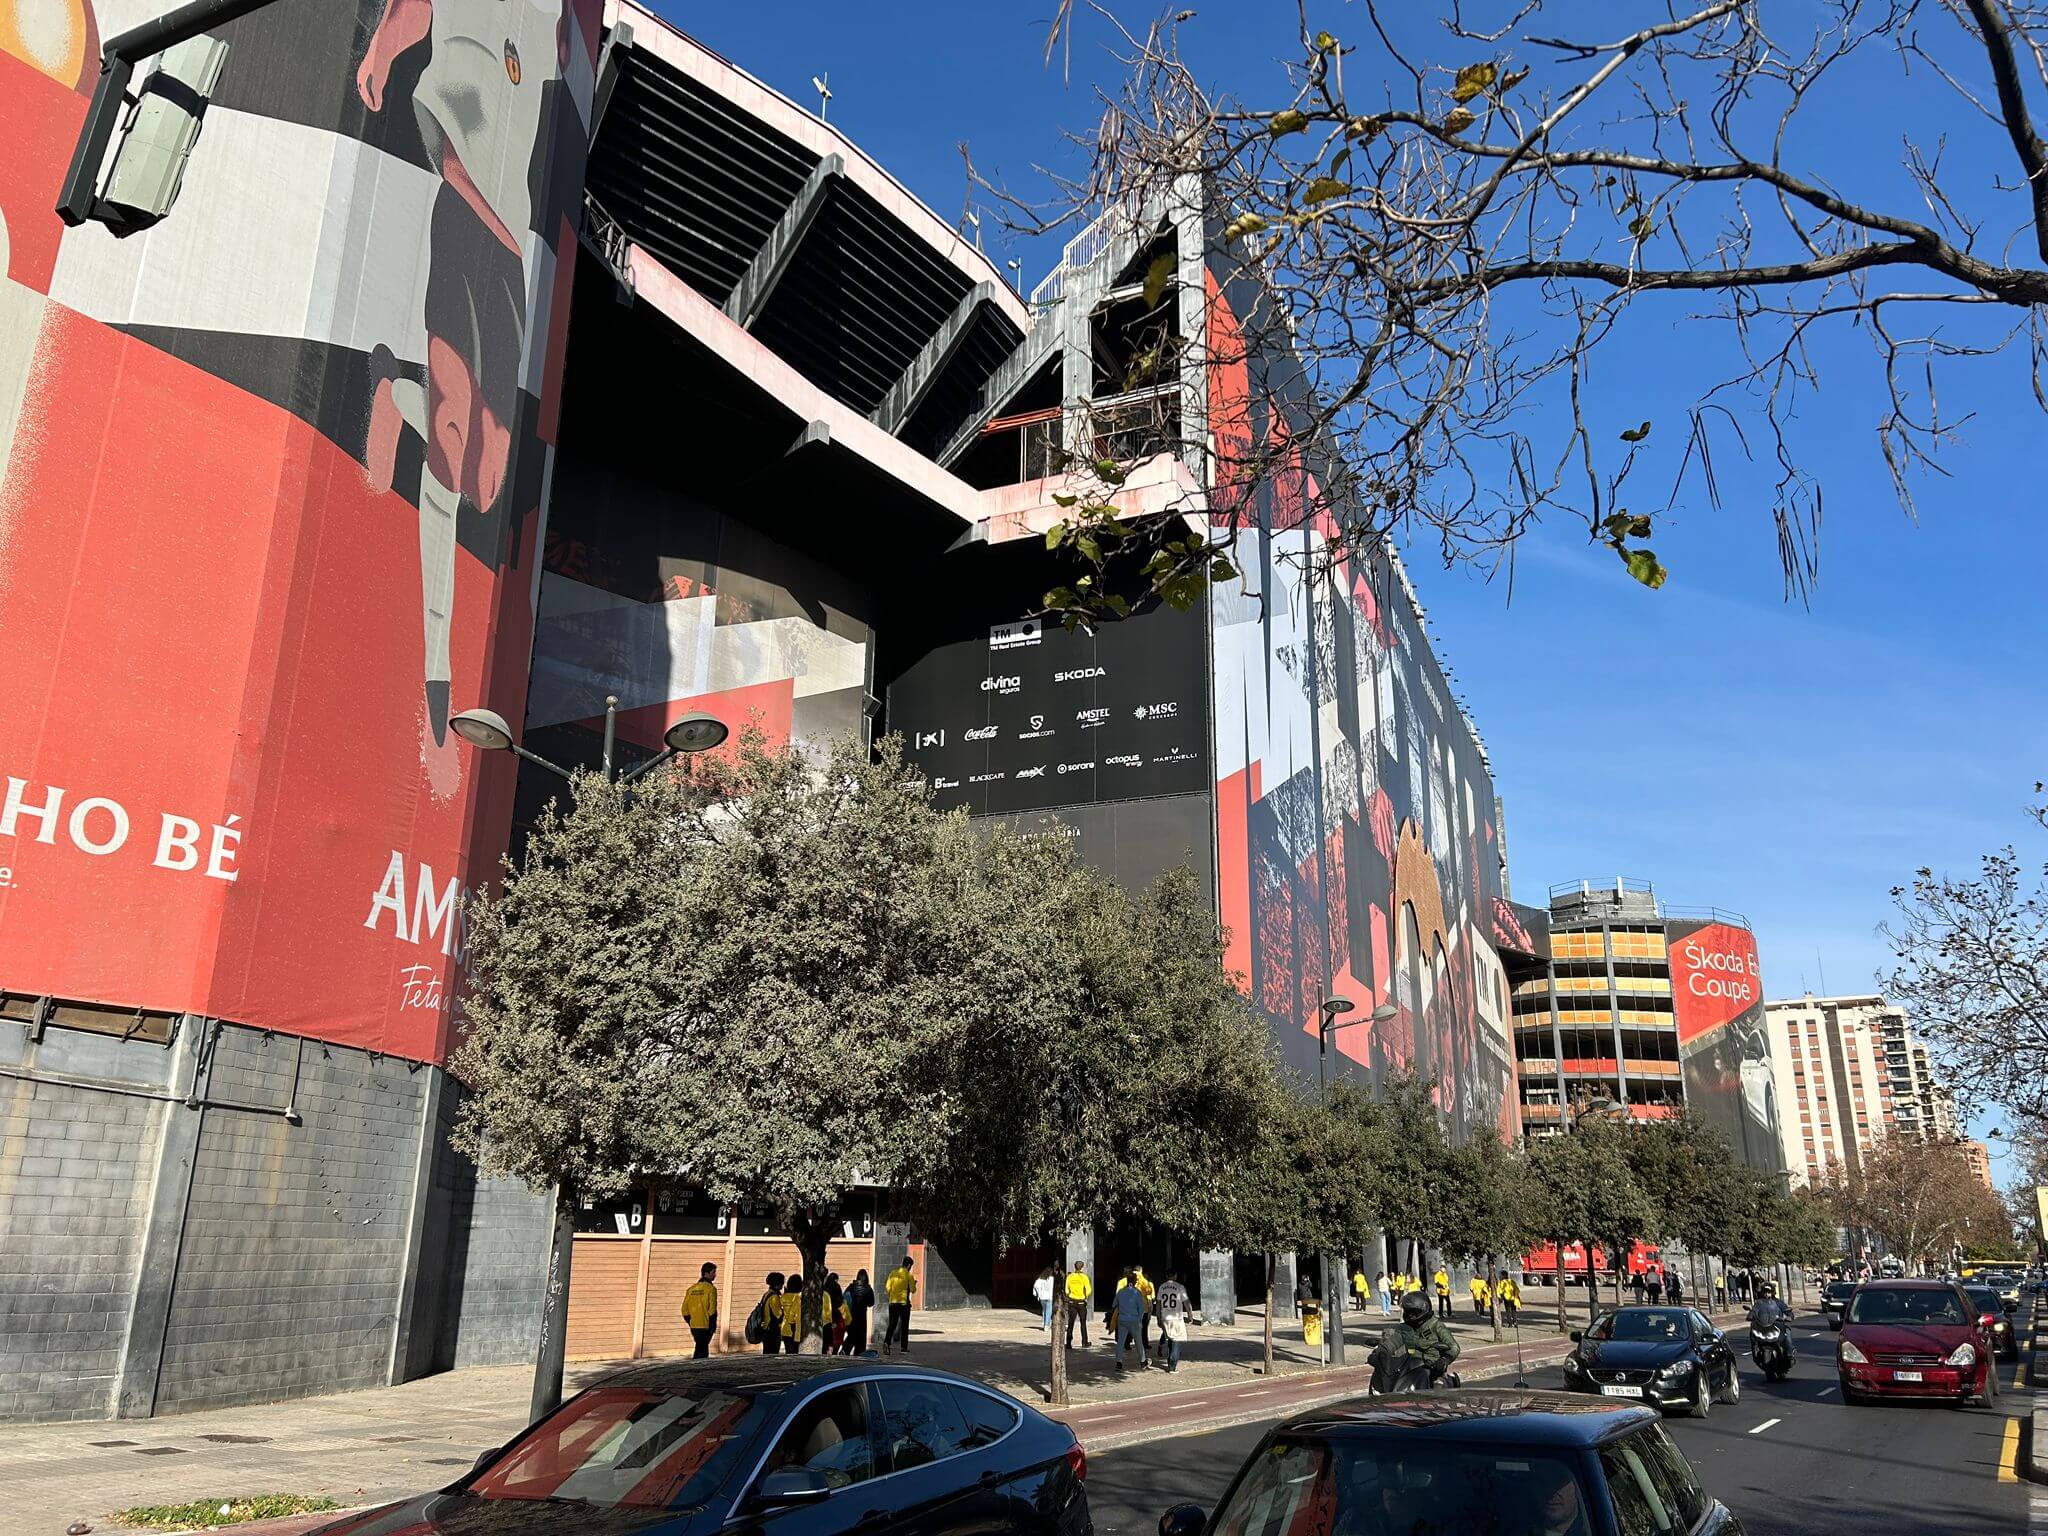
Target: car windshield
(624, 1447)
(1983, 1298)
(1878, 1305)
(1661, 1324)
(1839, 1290)
(1372, 1487)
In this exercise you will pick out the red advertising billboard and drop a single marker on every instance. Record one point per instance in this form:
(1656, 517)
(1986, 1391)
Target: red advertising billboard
(1717, 993)
(271, 479)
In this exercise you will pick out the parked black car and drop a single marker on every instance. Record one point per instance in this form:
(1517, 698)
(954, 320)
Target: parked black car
(1990, 1307)
(1834, 1300)
(1473, 1462)
(766, 1447)
(1664, 1357)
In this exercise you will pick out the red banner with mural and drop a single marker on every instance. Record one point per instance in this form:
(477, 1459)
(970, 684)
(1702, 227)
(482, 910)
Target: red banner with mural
(273, 474)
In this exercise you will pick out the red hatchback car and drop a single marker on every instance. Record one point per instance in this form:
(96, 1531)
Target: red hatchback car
(1914, 1338)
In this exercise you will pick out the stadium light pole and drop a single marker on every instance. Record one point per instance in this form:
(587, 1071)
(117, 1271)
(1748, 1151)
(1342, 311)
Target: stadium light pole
(693, 733)
(1331, 1013)
(486, 730)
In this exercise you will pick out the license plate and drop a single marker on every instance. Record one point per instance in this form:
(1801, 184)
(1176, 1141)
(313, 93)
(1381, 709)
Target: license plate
(1606, 1391)
(1906, 1376)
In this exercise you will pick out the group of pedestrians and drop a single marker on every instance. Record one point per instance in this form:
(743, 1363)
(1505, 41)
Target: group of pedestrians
(1657, 1283)
(776, 1323)
(1127, 1317)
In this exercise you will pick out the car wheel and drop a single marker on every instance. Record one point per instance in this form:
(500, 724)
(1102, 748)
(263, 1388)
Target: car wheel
(1702, 1398)
(1733, 1394)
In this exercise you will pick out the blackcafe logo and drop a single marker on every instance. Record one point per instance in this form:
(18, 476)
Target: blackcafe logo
(984, 778)
(1728, 973)
(1078, 674)
(1001, 684)
(980, 733)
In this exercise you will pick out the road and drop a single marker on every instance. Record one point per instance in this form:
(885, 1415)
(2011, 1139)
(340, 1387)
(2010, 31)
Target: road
(1790, 1459)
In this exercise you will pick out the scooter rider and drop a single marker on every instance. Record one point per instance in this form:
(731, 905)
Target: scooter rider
(1768, 1311)
(1419, 1342)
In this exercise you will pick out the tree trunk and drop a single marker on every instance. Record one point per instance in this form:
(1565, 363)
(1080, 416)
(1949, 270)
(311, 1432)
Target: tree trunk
(1558, 1244)
(1493, 1294)
(1056, 1391)
(1271, 1263)
(811, 1233)
(1592, 1285)
(554, 1312)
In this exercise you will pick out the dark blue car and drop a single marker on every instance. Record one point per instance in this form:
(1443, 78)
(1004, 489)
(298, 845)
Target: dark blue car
(1465, 1463)
(766, 1447)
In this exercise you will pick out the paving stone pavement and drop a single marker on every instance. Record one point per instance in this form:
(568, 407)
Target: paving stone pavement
(367, 1447)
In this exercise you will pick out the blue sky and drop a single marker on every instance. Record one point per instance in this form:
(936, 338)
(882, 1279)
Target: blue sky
(1790, 762)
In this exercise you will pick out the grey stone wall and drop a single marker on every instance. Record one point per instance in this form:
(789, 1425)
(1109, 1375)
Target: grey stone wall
(76, 1165)
(294, 1245)
(494, 1242)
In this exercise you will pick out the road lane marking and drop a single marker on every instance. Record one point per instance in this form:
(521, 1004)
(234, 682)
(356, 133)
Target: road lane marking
(1767, 1423)
(2009, 1453)
(1200, 1402)
(1824, 1391)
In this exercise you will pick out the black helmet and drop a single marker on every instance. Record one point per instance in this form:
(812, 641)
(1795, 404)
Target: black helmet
(1415, 1308)
(1767, 1288)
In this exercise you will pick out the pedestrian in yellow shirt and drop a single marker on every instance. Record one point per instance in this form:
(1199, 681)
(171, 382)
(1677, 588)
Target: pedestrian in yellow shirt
(900, 1288)
(700, 1310)
(792, 1313)
(1510, 1296)
(766, 1323)
(1479, 1296)
(1443, 1294)
(1149, 1291)
(1078, 1288)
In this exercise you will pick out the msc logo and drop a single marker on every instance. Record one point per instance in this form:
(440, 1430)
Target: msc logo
(1035, 772)
(929, 739)
(1078, 674)
(980, 733)
(1001, 684)
(1165, 711)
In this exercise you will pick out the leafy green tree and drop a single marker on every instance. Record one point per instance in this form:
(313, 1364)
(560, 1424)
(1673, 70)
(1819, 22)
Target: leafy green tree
(1307, 1182)
(1486, 1203)
(767, 973)
(1123, 1077)
(1415, 1173)
(1556, 1204)
(1619, 1211)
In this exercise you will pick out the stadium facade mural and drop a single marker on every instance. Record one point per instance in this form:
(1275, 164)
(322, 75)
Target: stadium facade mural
(274, 474)
(1357, 832)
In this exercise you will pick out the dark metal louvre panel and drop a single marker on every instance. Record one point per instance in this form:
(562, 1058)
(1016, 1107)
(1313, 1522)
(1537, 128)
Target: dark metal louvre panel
(956, 392)
(689, 176)
(861, 298)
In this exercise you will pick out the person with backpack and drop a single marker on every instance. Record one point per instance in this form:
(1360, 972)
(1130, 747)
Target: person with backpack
(1172, 1306)
(700, 1310)
(764, 1323)
(1128, 1308)
(860, 1301)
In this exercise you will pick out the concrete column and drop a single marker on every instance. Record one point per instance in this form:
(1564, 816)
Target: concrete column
(1081, 1249)
(1283, 1285)
(423, 1279)
(1218, 1281)
(156, 1268)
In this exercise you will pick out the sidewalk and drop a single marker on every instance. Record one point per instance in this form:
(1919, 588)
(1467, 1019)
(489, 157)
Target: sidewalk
(368, 1447)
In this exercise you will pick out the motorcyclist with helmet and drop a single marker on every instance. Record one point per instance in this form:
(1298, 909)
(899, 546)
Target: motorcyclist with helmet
(1767, 1311)
(1420, 1345)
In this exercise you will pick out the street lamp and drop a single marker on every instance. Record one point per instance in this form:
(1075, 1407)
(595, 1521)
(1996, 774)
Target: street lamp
(693, 733)
(1332, 1011)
